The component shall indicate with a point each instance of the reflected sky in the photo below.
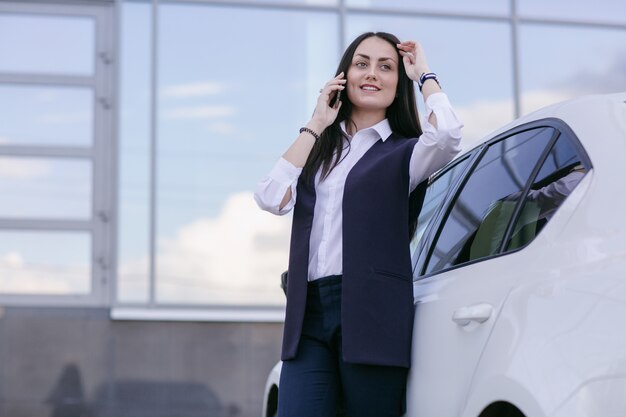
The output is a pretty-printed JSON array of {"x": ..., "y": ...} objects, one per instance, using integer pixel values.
[
  {"x": 45, "y": 262},
  {"x": 559, "y": 63},
  {"x": 53, "y": 188},
  {"x": 234, "y": 86},
  {"x": 134, "y": 155},
  {"x": 610, "y": 11},
  {"x": 230, "y": 98},
  {"x": 47, "y": 45},
  {"x": 56, "y": 116},
  {"x": 487, "y": 7},
  {"x": 459, "y": 60},
  {"x": 223, "y": 115}
]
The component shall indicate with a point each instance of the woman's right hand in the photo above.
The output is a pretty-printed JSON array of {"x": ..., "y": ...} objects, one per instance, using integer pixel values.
[{"x": 324, "y": 114}]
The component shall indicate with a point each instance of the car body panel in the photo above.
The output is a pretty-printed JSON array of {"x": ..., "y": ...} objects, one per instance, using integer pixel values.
[{"x": 445, "y": 353}]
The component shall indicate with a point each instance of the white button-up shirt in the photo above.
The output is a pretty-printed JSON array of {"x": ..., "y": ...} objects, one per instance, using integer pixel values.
[{"x": 435, "y": 148}]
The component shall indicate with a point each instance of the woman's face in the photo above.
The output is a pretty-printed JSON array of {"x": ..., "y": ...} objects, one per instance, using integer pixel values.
[{"x": 373, "y": 75}]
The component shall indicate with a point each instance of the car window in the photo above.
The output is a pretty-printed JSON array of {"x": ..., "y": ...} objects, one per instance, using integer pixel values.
[
  {"x": 477, "y": 222},
  {"x": 435, "y": 193},
  {"x": 559, "y": 175}
]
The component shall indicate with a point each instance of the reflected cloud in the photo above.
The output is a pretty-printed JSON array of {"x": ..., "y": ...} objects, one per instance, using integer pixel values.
[
  {"x": 16, "y": 169},
  {"x": 199, "y": 89},
  {"x": 611, "y": 80},
  {"x": 46, "y": 96},
  {"x": 200, "y": 112},
  {"x": 234, "y": 258},
  {"x": 68, "y": 118},
  {"x": 12, "y": 259},
  {"x": 226, "y": 129},
  {"x": 483, "y": 117},
  {"x": 19, "y": 277},
  {"x": 535, "y": 100}
]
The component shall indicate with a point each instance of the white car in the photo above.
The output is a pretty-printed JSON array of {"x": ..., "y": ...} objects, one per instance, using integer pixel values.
[{"x": 520, "y": 272}]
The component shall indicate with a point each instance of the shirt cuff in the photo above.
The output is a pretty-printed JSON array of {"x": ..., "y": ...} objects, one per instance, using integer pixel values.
[
  {"x": 284, "y": 172},
  {"x": 448, "y": 123},
  {"x": 436, "y": 101}
]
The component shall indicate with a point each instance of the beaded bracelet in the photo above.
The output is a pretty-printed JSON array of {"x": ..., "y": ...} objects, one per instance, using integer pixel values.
[{"x": 310, "y": 131}]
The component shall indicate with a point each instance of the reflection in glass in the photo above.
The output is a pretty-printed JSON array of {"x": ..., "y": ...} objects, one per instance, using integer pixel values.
[
  {"x": 47, "y": 45},
  {"x": 559, "y": 175},
  {"x": 46, "y": 116},
  {"x": 484, "y": 7},
  {"x": 435, "y": 194},
  {"x": 473, "y": 65},
  {"x": 134, "y": 154},
  {"x": 560, "y": 63},
  {"x": 226, "y": 114},
  {"x": 56, "y": 263},
  {"x": 51, "y": 188},
  {"x": 476, "y": 225},
  {"x": 610, "y": 11}
]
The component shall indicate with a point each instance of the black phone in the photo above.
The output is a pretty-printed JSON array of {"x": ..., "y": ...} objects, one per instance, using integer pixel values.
[{"x": 334, "y": 100}]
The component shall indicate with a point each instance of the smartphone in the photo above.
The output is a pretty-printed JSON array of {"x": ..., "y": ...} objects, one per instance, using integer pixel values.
[{"x": 335, "y": 100}]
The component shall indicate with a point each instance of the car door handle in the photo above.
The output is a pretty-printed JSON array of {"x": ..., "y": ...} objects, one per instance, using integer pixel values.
[{"x": 479, "y": 313}]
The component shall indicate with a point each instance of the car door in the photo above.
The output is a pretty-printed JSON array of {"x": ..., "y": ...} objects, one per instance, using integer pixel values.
[{"x": 461, "y": 279}]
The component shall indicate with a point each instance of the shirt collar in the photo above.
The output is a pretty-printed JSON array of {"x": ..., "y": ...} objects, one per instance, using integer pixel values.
[{"x": 382, "y": 128}]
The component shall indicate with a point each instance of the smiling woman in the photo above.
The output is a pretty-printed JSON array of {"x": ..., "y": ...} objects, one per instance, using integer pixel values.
[{"x": 352, "y": 178}]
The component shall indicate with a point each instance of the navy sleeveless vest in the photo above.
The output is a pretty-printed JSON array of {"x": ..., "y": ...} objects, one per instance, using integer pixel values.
[{"x": 377, "y": 289}]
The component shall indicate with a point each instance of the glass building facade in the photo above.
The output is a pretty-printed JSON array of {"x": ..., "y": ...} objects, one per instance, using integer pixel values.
[{"x": 133, "y": 133}]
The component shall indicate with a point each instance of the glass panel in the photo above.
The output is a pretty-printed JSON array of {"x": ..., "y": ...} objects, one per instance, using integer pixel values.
[
  {"x": 602, "y": 10},
  {"x": 227, "y": 114},
  {"x": 134, "y": 155},
  {"x": 560, "y": 174},
  {"x": 48, "y": 188},
  {"x": 481, "y": 88},
  {"x": 46, "y": 116},
  {"x": 559, "y": 63},
  {"x": 45, "y": 263},
  {"x": 476, "y": 225},
  {"x": 47, "y": 44},
  {"x": 435, "y": 194},
  {"x": 483, "y": 7},
  {"x": 433, "y": 199}
]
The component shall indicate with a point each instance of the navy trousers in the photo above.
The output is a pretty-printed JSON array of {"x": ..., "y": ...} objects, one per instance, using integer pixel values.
[{"x": 318, "y": 383}]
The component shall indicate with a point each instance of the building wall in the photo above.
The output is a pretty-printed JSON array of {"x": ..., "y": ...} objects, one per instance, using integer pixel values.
[{"x": 78, "y": 362}]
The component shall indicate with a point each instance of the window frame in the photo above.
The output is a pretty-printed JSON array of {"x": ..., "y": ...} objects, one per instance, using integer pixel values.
[
  {"x": 440, "y": 210},
  {"x": 100, "y": 226},
  {"x": 431, "y": 236}
]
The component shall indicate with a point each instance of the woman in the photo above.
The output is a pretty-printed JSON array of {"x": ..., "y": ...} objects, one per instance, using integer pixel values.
[{"x": 352, "y": 175}]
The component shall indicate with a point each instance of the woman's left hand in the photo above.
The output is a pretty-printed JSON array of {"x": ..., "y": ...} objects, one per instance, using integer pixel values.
[{"x": 414, "y": 59}]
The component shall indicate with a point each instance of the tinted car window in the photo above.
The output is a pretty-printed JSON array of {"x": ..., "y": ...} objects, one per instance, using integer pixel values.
[
  {"x": 480, "y": 215},
  {"x": 559, "y": 175},
  {"x": 433, "y": 198}
]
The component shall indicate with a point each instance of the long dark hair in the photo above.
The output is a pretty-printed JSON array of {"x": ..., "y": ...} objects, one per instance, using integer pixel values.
[
  {"x": 402, "y": 113},
  {"x": 402, "y": 116}
]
